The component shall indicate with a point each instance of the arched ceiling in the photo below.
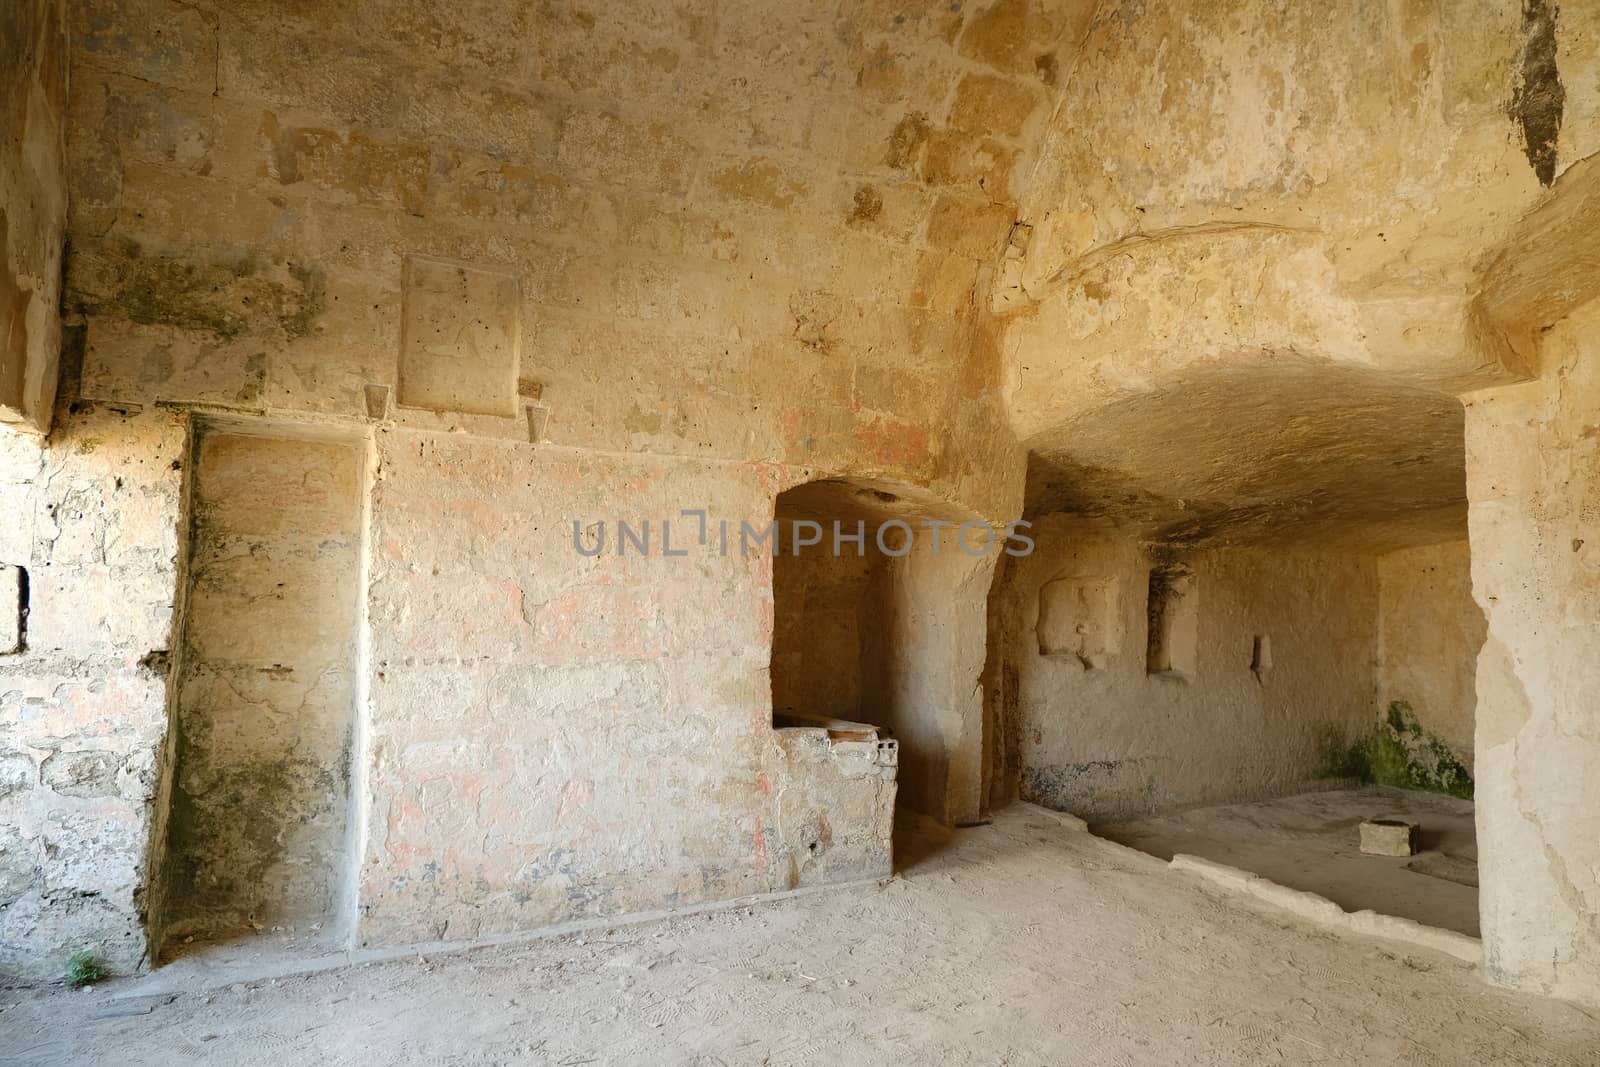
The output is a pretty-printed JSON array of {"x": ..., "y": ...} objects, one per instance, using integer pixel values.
[
  {"x": 1279, "y": 447},
  {"x": 1247, "y": 288}
]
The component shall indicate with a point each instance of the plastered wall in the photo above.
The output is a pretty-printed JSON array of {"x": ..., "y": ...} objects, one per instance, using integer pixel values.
[
  {"x": 653, "y": 275},
  {"x": 554, "y": 735},
  {"x": 1101, "y": 736}
]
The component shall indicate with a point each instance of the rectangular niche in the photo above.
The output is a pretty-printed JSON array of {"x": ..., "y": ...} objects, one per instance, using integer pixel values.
[
  {"x": 1261, "y": 655},
  {"x": 1076, "y": 619},
  {"x": 459, "y": 338},
  {"x": 257, "y": 835},
  {"x": 1173, "y": 612}
]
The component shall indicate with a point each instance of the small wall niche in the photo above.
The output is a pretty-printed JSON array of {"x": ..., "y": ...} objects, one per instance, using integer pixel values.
[
  {"x": 1173, "y": 614},
  {"x": 1261, "y": 656},
  {"x": 1076, "y": 619}
]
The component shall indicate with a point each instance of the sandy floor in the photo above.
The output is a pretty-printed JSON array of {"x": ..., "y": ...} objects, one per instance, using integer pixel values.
[
  {"x": 1312, "y": 842},
  {"x": 1023, "y": 942}
]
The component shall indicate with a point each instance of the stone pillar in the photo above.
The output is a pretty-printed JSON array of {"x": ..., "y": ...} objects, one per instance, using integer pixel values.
[
  {"x": 33, "y": 208},
  {"x": 1533, "y": 481}
]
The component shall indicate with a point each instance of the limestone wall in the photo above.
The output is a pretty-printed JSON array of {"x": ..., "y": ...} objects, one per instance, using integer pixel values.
[
  {"x": 558, "y": 264},
  {"x": 1321, "y": 179},
  {"x": 534, "y": 713},
  {"x": 94, "y": 523},
  {"x": 1429, "y": 634},
  {"x": 1277, "y": 654},
  {"x": 711, "y": 261},
  {"x": 33, "y": 207}
]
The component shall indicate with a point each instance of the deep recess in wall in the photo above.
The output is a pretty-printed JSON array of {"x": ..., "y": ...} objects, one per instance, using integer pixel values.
[
  {"x": 1174, "y": 621},
  {"x": 866, "y": 637},
  {"x": 830, "y": 611}
]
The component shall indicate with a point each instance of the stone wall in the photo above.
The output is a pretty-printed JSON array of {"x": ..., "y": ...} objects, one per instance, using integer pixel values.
[
  {"x": 557, "y": 265},
  {"x": 1287, "y": 189},
  {"x": 94, "y": 522},
  {"x": 1279, "y": 657},
  {"x": 712, "y": 263},
  {"x": 1429, "y": 634},
  {"x": 33, "y": 207}
]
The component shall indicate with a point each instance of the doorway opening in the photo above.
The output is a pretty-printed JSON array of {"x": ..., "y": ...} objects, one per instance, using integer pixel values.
[{"x": 880, "y": 624}]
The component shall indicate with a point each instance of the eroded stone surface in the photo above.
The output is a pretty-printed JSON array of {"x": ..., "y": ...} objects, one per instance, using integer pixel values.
[{"x": 1532, "y": 469}]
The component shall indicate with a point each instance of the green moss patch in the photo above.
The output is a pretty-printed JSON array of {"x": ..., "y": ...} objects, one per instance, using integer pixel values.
[
  {"x": 1398, "y": 752},
  {"x": 222, "y": 291}
]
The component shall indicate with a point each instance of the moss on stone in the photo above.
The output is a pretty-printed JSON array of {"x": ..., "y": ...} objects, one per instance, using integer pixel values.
[
  {"x": 1397, "y": 752},
  {"x": 1339, "y": 757},
  {"x": 222, "y": 291}
]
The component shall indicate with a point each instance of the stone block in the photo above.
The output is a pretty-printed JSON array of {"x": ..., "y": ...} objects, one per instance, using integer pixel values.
[{"x": 1388, "y": 837}]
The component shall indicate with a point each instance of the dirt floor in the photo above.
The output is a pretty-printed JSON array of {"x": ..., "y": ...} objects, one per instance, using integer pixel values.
[
  {"x": 1023, "y": 942},
  {"x": 1312, "y": 842}
]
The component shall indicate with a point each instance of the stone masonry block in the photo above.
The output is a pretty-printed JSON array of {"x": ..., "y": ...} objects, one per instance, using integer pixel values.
[{"x": 1388, "y": 837}]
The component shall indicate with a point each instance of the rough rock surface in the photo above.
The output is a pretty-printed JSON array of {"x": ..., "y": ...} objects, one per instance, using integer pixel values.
[{"x": 1209, "y": 276}]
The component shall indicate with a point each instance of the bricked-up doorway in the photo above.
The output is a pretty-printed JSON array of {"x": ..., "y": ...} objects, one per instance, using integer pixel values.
[{"x": 259, "y": 829}]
